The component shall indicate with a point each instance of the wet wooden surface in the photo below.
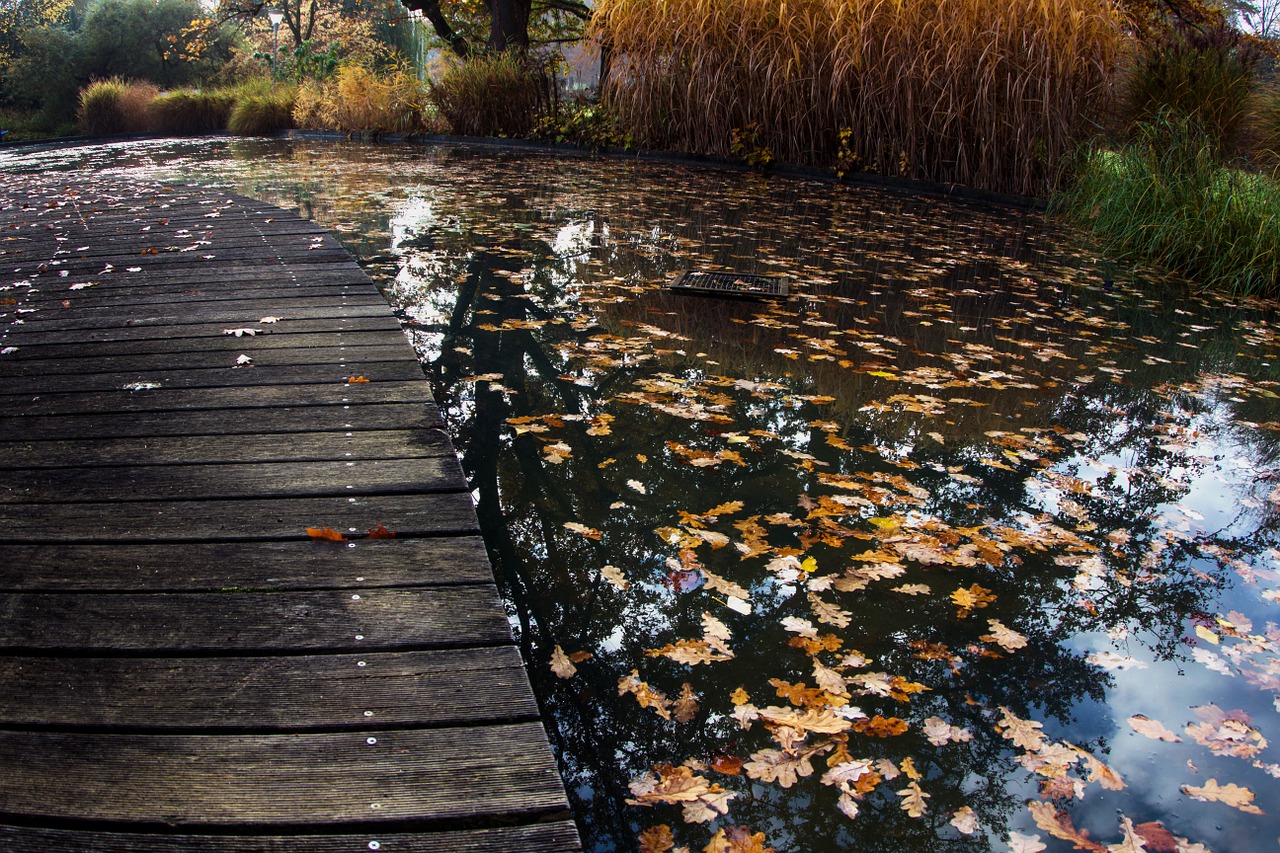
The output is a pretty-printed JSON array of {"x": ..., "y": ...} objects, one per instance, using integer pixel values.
[{"x": 189, "y": 381}]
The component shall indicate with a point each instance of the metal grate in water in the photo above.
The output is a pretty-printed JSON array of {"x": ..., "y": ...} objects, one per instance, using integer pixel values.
[{"x": 748, "y": 285}]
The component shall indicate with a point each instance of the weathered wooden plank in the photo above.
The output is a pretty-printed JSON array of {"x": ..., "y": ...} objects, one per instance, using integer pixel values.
[
  {"x": 253, "y": 622},
  {"x": 260, "y": 566},
  {"x": 229, "y": 376},
  {"x": 240, "y": 520},
  {"x": 332, "y": 692},
  {"x": 401, "y": 445},
  {"x": 233, "y": 480},
  {"x": 255, "y": 566},
  {"x": 219, "y": 355},
  {"x": 265, "y": 338},
  {"x": 310, "y": 780},
  {"x": 554, "y": 837},
  {"x": 104, "y": 295},
  {"x": 211, "y": 313},
  {"x": 137, "y": 421},
  {"x": 136, "y": 332}
]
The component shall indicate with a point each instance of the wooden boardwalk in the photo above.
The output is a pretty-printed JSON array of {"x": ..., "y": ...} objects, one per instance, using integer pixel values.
[{"x": 183, "y": 666}]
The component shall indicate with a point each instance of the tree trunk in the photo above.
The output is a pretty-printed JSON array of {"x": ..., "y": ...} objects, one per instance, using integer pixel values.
[
  {"x": 430, "y": 10},
  {"x": 509, "y": 25}
]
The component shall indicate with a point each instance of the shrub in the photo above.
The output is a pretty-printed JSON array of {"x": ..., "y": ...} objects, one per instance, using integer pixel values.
[
  {"x": 262, "y": 112},
  {"x": 1205, "y": 75},
  {"x": 1166, "y": 197},
  {"x": 115, "y": 106},
  {"x": 988, "y": 93},
  {"x": 359, "y": 99},
  {"x": 583, "y": 122},
  {"x": 191, "y": 111},
  {"x": 495, "y": 95}
]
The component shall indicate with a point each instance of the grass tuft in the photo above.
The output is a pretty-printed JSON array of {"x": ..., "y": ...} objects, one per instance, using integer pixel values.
[
  {"x": 1166, "y": 197},
  {"x": 260, "y": 111},
  {"x": 495, "y": 95},
  {"x": 360, "y": 99},
  {"x": 115, "y": 106},
  {"x": 987, "y": 93},
  {"x": 190, "y": 112}
]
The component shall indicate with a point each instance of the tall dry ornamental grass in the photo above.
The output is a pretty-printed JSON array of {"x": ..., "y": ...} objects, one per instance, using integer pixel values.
[{"x": 988, "y": 93}]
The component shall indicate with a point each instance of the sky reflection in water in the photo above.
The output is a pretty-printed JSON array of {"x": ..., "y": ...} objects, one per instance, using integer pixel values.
[{"x": 919, "y": 544}]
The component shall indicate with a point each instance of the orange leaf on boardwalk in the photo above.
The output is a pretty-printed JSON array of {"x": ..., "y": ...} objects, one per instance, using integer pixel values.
[
  {"x": 325, "y": 533},
  {"x": 354, "y": 380},
  {"x": 381, "y": 532}
]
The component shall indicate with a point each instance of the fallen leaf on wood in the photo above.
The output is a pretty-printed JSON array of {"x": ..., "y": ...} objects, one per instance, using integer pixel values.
[{"x": 327, "y": 533}]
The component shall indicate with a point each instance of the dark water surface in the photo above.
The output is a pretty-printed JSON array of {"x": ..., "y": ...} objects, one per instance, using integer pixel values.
[{"x": 962, "y": 547}]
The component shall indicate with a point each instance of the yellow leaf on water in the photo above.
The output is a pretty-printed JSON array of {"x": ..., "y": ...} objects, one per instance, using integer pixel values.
[
  {"x": 1231, "y": 794},
  {"x": 561, "y": 665},
  {"x": 913, "y": 800}
]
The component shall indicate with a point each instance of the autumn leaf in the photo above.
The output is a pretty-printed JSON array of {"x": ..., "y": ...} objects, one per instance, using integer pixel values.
[
  {"x": 381, "y": 532},
  {"x": 356, "y": 380},
  {"x": 582, "y": 529},
  {"x": 615, "y": 576},
  {"x": 965, "y": 820},
  {"x": 1019, "y": 843},
  {"x": 785, "y": 768},
  {"x": 656, "y": 839},
  {"x": 327, "y": 533},
  {"x": 1026, "y": 734},
  {"x": 1152, "y": 729},
  {"x": 737, "y": 839},
  {"x": 913, "y": 800},
  {"x": 645, "y": 695},
  {"x": 1226, "y": 732},
  {"x": 561, "y": 665},
  {"x": 700, "y": 799},
  {"x": 1059, "y": 825},
  {"x": 1231, "y": 794},
  {"x": 971, "y": 599},
  {"x": 691, "y": 652},
  {"x": 1006, "y": 638},
  {"x": 686, "y": 707}
]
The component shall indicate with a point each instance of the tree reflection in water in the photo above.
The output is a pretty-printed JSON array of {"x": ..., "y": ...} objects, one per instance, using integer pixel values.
[{"x": 941, "y": 524}]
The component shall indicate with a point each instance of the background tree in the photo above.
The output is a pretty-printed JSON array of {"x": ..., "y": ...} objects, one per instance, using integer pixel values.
[{"x": 468, "y": 27}]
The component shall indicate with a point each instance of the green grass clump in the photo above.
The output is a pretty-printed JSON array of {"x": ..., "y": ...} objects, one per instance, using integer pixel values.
[
  {"x": 260, "y": 111},
  {"x": 1167, "y": 198},
  {"x": 115, "y": 106},
  {"x": 494, "y": 95},
  {"x": 190, "y": 112}
]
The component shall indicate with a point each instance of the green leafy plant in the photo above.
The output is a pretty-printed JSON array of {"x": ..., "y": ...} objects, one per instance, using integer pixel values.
[
  {"x": 747, "y": 143},
  {"x": 583, "y": 122}
]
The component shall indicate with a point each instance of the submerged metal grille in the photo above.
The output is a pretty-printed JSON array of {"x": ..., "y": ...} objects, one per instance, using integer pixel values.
[{"x": 746, "y": 285}]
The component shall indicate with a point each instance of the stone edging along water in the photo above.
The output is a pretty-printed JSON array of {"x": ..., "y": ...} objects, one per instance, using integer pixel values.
[{"x": 904, "y": 186}]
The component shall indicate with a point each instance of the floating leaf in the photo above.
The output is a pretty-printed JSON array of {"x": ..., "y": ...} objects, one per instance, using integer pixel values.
[
  {"x": 1231, "y": 794},
  {"x": 1152, "y": 729},
  {"x": 561, "y": 665}
]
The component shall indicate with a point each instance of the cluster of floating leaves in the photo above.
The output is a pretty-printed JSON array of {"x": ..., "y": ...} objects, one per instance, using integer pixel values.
[{"x": 870, "y": 566}]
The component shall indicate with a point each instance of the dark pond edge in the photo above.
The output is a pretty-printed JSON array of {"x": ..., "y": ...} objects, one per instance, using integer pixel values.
[
  {"x": 901, "y": 186},
  {"x": 904, "y": 186}
]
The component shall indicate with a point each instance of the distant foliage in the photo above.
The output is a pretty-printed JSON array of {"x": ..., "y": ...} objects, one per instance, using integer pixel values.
[
  {"x": 495, "y": 95},
  {"x": 358, "y": 98},
  {"x": 985, "y": 93},
  {"x": 115, "y": 106},
  {"x": 1203, "y": 75}
]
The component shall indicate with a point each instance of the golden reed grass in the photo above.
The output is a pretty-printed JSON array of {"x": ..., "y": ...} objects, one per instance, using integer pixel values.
[{"x": 987, "y": 93}]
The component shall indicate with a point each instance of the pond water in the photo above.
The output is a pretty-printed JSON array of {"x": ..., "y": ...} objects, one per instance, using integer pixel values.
[{"x": 970, "y": 544}]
